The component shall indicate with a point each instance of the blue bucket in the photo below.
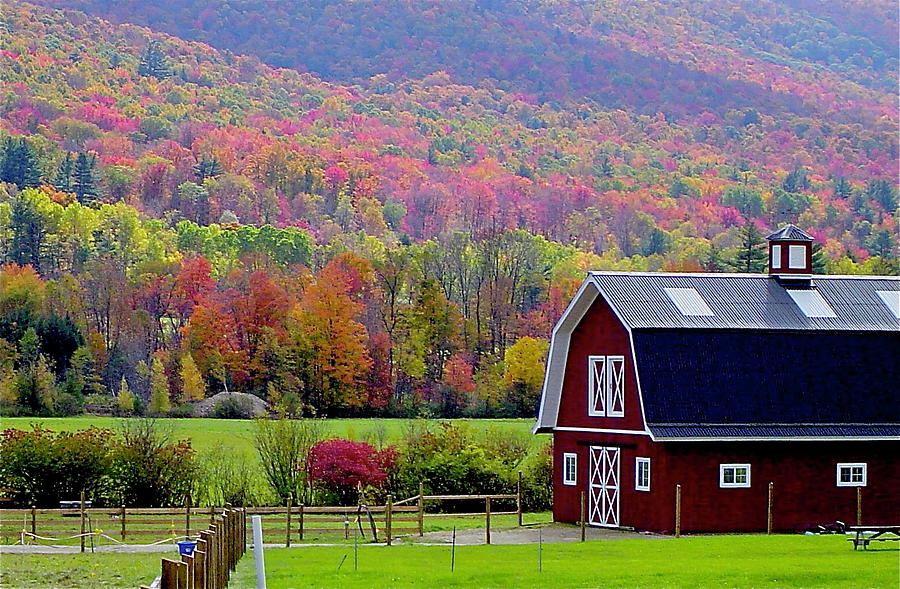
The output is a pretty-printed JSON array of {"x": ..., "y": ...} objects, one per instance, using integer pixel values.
[{"x": 186, "y": 547}]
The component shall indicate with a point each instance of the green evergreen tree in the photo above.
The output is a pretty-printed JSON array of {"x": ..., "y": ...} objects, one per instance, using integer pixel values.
[
  {"x": 751, "y": 255},
  {"x": 19, "y": 164},
  {"x": 28, "y": 232},
  {"x": 207, "y": 167},
  {"x": 154, "y": 62},
  {"x": 83, "y": 185},
  {"x": 818, "y": 259},
  {"x": 64, "y": 174}
]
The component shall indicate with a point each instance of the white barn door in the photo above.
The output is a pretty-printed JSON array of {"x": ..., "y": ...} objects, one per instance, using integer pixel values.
[{"x": 603, "y": 494}]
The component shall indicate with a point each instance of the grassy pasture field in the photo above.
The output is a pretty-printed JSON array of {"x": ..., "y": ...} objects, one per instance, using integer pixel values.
[
  {"x": 691, "y": 562},
  {"x": 237, "y": 434}
]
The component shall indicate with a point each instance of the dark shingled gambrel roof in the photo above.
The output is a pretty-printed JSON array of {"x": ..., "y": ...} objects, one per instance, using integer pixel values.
[{"x": 748, "y": 301}]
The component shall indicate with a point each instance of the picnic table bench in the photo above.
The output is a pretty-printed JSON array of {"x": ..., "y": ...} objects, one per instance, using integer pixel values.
[{"x": 877, "y": 534}]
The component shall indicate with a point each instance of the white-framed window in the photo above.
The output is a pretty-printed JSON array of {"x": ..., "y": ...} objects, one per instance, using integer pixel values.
[
  {"x": 776, "y": 257},
  {"x": 570, "y": 468},
  {"x": 642, "y": 474},
  {"x": 796, "y": 257},
  {"x": 734, "y": 475},
  {"x": 606, "y": 386},
  {"x": 851, "y": 474}
]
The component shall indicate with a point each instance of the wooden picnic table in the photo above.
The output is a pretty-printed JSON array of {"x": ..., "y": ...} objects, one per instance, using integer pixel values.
[{"x": 877, "y": 534}]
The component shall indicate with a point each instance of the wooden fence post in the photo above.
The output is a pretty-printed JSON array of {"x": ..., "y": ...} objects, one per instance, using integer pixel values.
[
  {"x": 187, "y": 516},
  {"x": 209, "y": 561},
  {"x": 487, "y": 519},
  {"x": 859, "y": 506},
  {"x": 213, "y": 557},
  {"x": 122, "y": 517},
  {"x": 200, "y": 562},
  {"x": 33, "y": 521},
  {"x": 171, "y": 574},
  {"x": 421, "y": 509},
  {"x": 82, "y": 520},
  {"x": 769, "y": 509},
  {"x": 678, "y": 511},
  {"x": 300, "y": 517},
  {"x": 583, "y": 514},
  {"x": 188, "y": 560},
  {"x": 388, "y": 515},
  {"x": 287, "y": 541},
  {"x": 519, "y": 499}
]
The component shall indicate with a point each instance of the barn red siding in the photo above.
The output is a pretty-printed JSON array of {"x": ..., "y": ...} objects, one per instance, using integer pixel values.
[
  {"x": 598, "y": 334},
  {"x": 803, "y": 473}
]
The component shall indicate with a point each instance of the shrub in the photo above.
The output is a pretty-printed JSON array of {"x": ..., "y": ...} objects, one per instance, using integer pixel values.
[
  {"x": 341, "y": 467},
  {"x": 147, "y": 470},
  {"x": 233, "y": 408},
  {"x": 283, "y": 446},
  {"x": 44, "y": 467}
]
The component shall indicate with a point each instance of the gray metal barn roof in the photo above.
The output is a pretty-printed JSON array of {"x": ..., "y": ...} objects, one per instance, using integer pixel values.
[{"x": 749, "y": 301}]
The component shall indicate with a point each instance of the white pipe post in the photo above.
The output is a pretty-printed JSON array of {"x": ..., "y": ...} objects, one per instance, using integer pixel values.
[{"x": 258, "y": 552}]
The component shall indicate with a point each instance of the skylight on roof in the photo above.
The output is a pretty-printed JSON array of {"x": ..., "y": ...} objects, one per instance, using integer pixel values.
[
  {"x": 811, "y": 303},
  {"x": 689, "y": 302},
  {"x": 891, "y": 298}
]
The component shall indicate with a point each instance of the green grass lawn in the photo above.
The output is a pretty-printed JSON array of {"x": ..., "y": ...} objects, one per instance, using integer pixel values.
[
  {"x": 84, "y": 571},
  {"x": 698, "y": 562},
  {"x": 207, "y": 434}
]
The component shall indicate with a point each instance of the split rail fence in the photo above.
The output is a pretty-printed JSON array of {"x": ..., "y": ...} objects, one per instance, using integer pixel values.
[{"x": 91, "y": 527}]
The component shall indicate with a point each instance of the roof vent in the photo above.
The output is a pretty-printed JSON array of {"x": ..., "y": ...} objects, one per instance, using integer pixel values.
[
  {"x": 689, "y": 302},
  {"x": 790, "y": 254}
]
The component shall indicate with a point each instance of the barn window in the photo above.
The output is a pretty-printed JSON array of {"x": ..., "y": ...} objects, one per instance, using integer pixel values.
[
  {"x": 776, "y": 257},
  {"x": 642, "y": 474},
  {"x": 851, "y": 474},
  {"x": 606, "y": 386},
  {"x": 597, "y": 386},
  {"x": 797, "y": 257},
  {"x": 734, "y": 475},
  {"x": 570, "y": 468}
]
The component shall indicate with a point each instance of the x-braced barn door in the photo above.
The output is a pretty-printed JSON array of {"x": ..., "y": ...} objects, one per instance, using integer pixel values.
[{"x": 604, "y": 487}]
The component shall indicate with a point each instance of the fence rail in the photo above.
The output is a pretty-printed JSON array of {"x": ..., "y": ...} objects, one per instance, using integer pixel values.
[{"x": 281, "y": 524}]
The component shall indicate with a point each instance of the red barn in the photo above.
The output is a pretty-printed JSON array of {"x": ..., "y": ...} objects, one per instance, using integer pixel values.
[{"x": 733, "y": 386}]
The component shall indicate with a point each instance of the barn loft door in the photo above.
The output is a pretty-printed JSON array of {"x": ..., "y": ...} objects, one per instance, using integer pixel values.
[{"x": 604, "y": 487}]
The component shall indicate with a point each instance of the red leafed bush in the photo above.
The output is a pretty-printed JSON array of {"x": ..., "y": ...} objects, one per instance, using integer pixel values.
[{"x": 339, "y": 466}]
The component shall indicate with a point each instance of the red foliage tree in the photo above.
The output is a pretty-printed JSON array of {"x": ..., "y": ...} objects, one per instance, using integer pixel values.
[{"x": 340, "y": 467}]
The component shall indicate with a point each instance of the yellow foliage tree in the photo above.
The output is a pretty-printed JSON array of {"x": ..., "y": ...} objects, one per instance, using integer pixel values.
[
  {"x": 125, "y": 398},
  {"x": 192, "y": 386}
]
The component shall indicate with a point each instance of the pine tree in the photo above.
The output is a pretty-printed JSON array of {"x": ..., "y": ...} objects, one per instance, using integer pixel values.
[
  {"x": 751, "y": 256},
  {"x": 83, "y": 185},
  {"x": 818, "y": 258},
  {"x": 64, "y": 174},
  {"x": 154, "y": 62},
  {"x": 28, "y": 229},
  {"x": 125, "y": 398},
  {"x": 159, "y": 389},
  {"x": 192, "y": 386},
  {"x": 207, "y": 167},
  {"x": 19, "y": 164}
]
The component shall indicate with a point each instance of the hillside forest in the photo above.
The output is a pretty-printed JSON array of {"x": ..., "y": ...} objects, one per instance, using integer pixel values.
[{"x": 387, "y": 214}]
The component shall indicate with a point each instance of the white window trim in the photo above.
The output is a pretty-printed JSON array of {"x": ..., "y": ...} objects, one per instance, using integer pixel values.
[
  {"x": 594, "y": 395},
  {"x": 724, "y": 485},
  {"x": 565, "y": 462},
  {"x": 793, "y": 262},
  {"x": 865, "y": 474},
  {"x": 776, "y": 257},
  {"x": 637, "y": 474},
  {"x": 613, "y": 386}
]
